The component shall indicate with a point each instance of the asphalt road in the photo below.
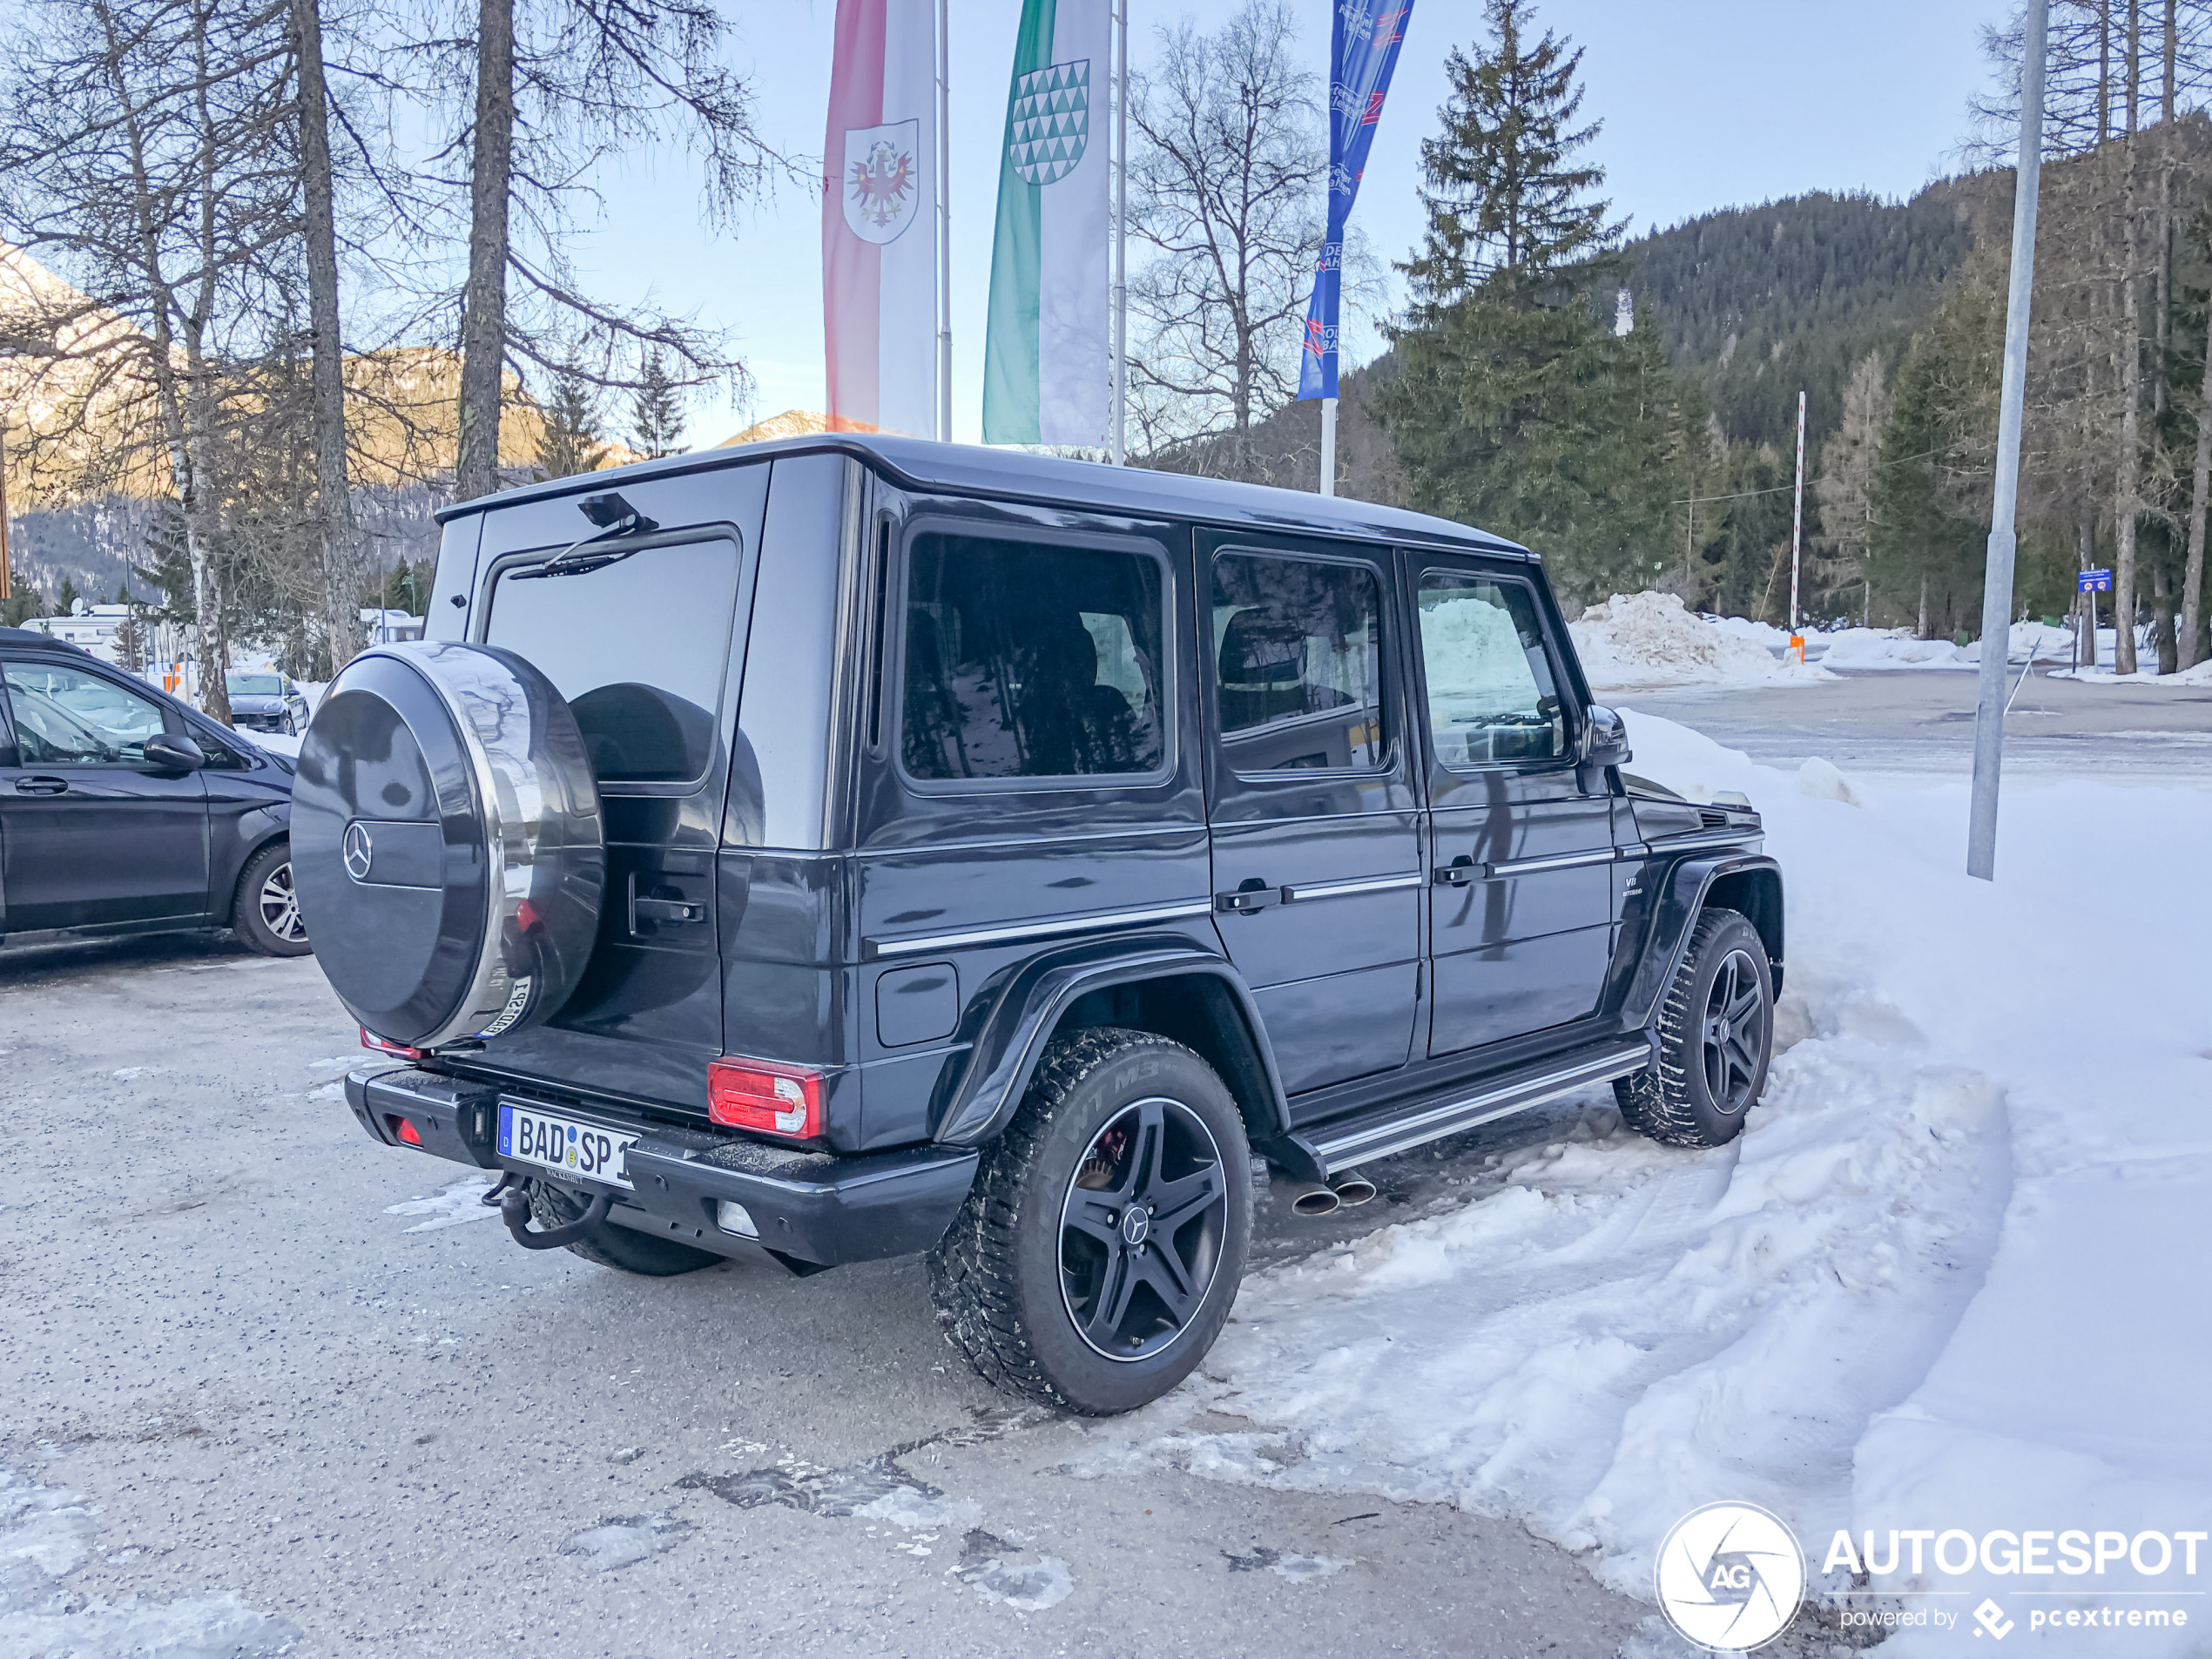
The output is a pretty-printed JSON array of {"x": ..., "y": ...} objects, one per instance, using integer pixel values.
[
  {"x": 246, "y": 1406},
  {"x": 1923, "y": 720}
]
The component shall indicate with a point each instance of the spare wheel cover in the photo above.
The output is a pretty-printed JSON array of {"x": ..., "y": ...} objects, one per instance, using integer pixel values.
[{"x": 447, "y": 843}]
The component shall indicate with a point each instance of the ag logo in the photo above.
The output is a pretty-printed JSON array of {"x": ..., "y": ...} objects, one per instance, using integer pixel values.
[
  {"x": 882, "y": 182},
  {"x": 1729, "y": 1576},
  {"x": 357, "y": 850}
]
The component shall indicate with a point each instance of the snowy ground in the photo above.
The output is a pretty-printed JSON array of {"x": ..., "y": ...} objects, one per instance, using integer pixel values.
[
  {"x": 1949, "y": 1278},
  {"x": 1648, "y": 639}
]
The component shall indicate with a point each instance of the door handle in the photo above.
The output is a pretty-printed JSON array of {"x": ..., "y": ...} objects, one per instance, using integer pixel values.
[
  {"x": 665, "y": 910},
  {"x": 41, "y": 786},
  {"x": 1462, "y": 871},
  {"x": 1252, "y": 897}
]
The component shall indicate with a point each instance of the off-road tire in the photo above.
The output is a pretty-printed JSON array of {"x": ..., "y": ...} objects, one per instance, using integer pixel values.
[
  {"x": 995, "y": 1275},
  {"x": 272, "y": 864},
  {"x": 1673, "y": 1102},
  {"x": 610, "y": 1245}
]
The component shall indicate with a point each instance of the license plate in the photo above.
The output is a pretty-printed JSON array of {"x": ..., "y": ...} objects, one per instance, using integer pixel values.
[{"x": 577, "y": 1148}]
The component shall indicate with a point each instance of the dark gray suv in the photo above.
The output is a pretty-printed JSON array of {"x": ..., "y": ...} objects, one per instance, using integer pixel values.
[{"x": 837, "y": 848}]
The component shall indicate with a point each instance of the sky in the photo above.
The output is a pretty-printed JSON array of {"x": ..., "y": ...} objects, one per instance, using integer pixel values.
[{"x": 1705, "y": 104}]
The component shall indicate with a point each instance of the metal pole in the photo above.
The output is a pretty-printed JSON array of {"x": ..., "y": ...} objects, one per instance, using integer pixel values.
[
  {"x": 7, "y": 579},
  {"x": 944, "y": 221},
  {"x": 1997, "y": 586},
  {"x": 1121, "y": 233},
  {"x": 1328, "y": 446},
  {"x": 1798, "y": 520}
]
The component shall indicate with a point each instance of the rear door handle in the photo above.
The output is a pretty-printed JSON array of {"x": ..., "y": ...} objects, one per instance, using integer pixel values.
[
  {"x": 41, "y": 786},
  {"x": 1464, "y": 874}
]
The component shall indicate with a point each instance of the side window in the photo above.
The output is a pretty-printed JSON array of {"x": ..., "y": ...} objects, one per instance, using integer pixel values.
[
  {"x": 67, "y": 718},
  {"x": 1492, "y": 696},
  {"x": 1031, "y": 660},
  {"x": 1298, "y": 653},
  {"x": 637, "y": 645}
]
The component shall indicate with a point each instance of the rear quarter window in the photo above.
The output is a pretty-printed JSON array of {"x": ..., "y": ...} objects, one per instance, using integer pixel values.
[{"x": 640, "y": 648}]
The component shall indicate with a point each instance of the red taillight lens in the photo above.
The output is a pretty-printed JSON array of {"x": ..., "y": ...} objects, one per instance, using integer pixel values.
[
  {"x": 385, "y": 1045},
  {"x": 406, "y": 1131},
  {"x": 762, "y": 1094}
]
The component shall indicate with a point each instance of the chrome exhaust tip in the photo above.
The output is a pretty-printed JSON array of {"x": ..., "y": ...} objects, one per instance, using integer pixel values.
[
  {"x": 1352, "y": 1189},
  {"x": 1313, "y": 1203}
]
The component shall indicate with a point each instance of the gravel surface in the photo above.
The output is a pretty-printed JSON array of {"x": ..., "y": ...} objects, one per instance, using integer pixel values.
[{"x": 271, "y": 1387}]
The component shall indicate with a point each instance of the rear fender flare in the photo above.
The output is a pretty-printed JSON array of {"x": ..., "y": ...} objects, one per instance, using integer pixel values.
[
  {"x": 1015, "y": 1015},
  {"x": 1748, "y": 882}
]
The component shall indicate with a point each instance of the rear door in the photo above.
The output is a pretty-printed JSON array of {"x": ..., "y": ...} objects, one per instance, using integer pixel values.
[
  {"x": 1520, "y": 907},
  {"x": 93, "y": 836},
  {"x": 647, "y": 651},
  {"x": 1317, "y": 846}
]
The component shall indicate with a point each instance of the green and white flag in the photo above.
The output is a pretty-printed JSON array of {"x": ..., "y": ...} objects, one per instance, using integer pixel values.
[{"x": 1047, "y": 371}]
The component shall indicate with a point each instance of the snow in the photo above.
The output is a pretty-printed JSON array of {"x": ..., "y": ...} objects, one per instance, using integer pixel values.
[
  {"x": 1946, "y": 1279},
  {"x": 1649, "y": 639},
  {"x": 461, "y": 1202},
  {"x": 47, "y": 1533}
]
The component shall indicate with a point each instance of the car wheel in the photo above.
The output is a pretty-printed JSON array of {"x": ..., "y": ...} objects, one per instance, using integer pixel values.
[
  {"x": 610, "y": 1245},
  {"x": 1715, "y": 1038},
  {"x": 266, "y": 911},
  {"x": 1102, "y": 1246}
]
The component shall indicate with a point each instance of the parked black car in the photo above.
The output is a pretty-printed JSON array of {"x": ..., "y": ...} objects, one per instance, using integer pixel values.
[
  {"x": 839, "y": 848},
  {"x": 123, "y": 811},
  {"x": 266, "y": 703}
]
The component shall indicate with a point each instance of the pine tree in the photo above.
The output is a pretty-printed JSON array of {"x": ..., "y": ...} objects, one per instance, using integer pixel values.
[
  {"x": 656, "y": 411},
  {"x": 1517, "y": 407},
  {"x": 568, "y": 440},
  {"x": 1845, "y": 490},
  {"x": 69, "y": 598}
]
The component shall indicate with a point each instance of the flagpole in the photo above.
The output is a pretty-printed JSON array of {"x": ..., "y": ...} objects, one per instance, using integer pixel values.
[
  {"x": 1121, "y": 232},
  {"x": 944, "y": 221},
  {"x": 1328, "y": 446}
]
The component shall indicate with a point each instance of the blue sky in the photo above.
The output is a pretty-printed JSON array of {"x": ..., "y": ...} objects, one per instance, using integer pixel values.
[{"x": 1712, "y": 103}]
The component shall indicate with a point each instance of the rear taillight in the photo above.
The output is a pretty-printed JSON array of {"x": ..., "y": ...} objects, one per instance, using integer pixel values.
[
  {"x": 764, "y": 1095},
  {"x": 407, "y": 1133},
  {"x": 385, "y": 1045}
]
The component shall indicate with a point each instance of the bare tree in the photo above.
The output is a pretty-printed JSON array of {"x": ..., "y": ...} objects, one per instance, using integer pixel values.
[
  {"x": 146, "y": 151},
  {"x": 553, "y": 87},
  {"x": 1226, "y": 174}
]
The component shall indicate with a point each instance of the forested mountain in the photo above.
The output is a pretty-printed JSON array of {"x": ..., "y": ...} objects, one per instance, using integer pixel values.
[{"x": 1755, "y": 303}]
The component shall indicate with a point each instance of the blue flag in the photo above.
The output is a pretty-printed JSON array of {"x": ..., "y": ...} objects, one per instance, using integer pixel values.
[{"x": 1363, "y": 50}]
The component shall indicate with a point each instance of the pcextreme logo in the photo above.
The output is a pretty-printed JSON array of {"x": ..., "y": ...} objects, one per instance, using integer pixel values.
[{"x": 1729, "y": 1576}]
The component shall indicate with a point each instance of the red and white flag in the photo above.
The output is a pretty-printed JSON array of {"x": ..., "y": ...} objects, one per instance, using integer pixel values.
[{"x": 878, "y": 236}]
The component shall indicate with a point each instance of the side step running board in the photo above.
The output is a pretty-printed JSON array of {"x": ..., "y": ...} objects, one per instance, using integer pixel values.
[{"x": 1337, "y": 1147}]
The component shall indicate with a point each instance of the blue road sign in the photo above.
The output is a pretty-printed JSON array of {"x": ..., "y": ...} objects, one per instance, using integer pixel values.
[{"x": 2094, "y": 582}]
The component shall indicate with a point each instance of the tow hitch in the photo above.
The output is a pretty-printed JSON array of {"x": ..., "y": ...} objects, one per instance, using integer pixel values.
[{"x": 512, "y": 1196}]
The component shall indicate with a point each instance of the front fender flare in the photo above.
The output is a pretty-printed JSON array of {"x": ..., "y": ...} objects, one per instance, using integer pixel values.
[
  {"x": 1016, "y": 1013},
  {"x": 1690, "y": 888}
]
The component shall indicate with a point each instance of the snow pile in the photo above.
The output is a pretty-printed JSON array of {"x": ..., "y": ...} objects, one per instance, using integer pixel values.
[
  {"x": 1883, "y": 648},
  {"x": 1649, "y": 639},
  {"x": 1763, "y": 634},
  {"x": 1944, "y": 1280}
]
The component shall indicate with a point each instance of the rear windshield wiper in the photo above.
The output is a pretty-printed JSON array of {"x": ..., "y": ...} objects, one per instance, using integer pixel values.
[{"x": 616, "y": 518}]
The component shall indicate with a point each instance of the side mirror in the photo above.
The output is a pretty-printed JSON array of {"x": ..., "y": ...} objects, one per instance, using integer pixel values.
[
  {"x": 174, "y": 754},
  {"x": 1605, "y": 740}
]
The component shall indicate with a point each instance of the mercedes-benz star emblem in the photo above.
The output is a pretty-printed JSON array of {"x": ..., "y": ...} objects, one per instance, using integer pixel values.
[{"x": 358, "y": 850}]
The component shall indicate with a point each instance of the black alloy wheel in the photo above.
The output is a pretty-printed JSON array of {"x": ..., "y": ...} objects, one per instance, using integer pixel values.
[
  {"x": 1715, "y": 1031},
  {"x": 1734, "y": 1034},
  {"x": 1142, "y": 1228},
  {"x": 1102, "y": 1245}
]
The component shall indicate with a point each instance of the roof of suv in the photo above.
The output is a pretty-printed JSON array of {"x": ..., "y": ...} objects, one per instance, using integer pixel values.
[{"x": 1019, "y": 474}]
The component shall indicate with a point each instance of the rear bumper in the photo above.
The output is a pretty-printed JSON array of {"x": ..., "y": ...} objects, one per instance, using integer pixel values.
[{"x": 809, "y": 1206}]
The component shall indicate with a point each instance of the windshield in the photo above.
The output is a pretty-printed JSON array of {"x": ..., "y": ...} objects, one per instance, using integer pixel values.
[{"x": 255, "y": 685}]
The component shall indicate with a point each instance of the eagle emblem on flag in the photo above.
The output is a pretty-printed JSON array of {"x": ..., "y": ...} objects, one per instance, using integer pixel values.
[
  {"x": 1050, "y": 126},
  {"x": 880, "y": 187}
]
